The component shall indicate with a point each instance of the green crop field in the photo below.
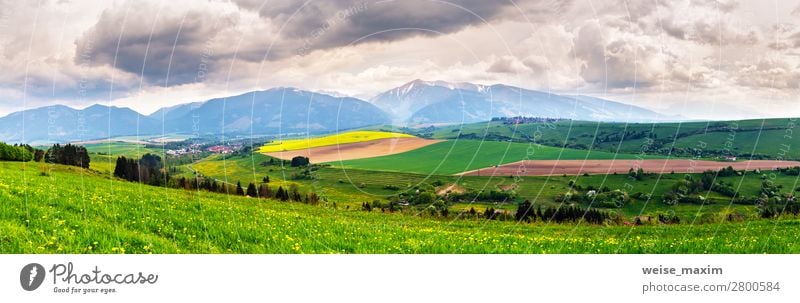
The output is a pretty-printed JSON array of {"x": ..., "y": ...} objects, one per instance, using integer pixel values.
[
  {"x": 456, "y": 156},
  {"x": 69, "y": 210},
  {"x": 765, "y": 138},
  {"x": 122, "y": 149}
]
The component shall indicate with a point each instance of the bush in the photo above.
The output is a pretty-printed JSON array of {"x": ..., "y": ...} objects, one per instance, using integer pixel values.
[
  {"x": 300, "y": 161},
  {"x": 15, "y": 153},
  {"x": 612, "y": 199}
]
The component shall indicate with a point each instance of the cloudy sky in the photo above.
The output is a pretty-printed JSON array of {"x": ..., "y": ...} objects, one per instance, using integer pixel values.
[{"x": 697, "y": 58}]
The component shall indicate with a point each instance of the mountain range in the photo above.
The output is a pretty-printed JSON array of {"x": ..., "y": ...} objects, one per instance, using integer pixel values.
[
  {"x": 291, "y": 110},
  {"x": 419, "y": 102}
]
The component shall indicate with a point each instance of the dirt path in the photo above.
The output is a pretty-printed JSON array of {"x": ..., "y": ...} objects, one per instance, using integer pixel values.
[
  {"x": 452, "y": 188},
  {"x": 577, "y": 167},
  {"x": 367, "y": 149}
]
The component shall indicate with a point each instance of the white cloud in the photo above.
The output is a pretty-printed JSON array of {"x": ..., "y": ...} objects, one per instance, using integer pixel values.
[{"x": 720, "y": 52}]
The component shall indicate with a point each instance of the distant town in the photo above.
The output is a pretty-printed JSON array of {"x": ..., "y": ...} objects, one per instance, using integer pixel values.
[
  {"x": 196, "y": 148},
  {"x": 524, "y": 120}
]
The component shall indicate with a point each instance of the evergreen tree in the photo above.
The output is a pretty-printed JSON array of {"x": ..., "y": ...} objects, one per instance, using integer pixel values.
[
  {"x": 251, "y": 190},
  {"x": 294, "y": 193},
  {"x": 120, "y": 170},
  {"x": 281, "y": 194},
  {"x": 239, "y": 190},
  {"x": 38, "y": 155},
  {"x": 489, "y": 213},
  {"x": 264, "y": 191},
  {"x": 524, "y": 211}
]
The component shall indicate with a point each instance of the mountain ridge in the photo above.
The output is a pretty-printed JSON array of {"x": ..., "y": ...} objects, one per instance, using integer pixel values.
[
  {"x": 421, "y": 101},
  {"x": 283, "y": 110},
  {"x": 267, "y": 112}
]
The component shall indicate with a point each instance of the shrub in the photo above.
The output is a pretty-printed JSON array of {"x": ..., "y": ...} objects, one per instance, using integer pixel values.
[{"x": 300, "y": 161}]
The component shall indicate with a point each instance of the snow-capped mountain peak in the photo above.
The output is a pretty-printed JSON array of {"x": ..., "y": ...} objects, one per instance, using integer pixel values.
[{"x": 421, "y": 101}]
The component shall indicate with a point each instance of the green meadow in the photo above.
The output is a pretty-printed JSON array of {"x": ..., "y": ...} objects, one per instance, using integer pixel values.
[
  {"x": 48, "y": 208},
  {"x": 69, "y": 210},
  {"x": 349, "y": 187},
  {"x": 104, "y": 155},
  {"x": 761, "y": 138},
  {"x": 120, "y": 148},
  {"x": 456, "y": 156}
]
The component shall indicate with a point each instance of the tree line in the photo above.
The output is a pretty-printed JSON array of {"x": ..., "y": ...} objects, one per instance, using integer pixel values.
[
  {"x": 526, "y": 213},
  {"x": 69, "y": 154},
  {"x": 15, "y": 153},
  {"x": 261, "y": 191},
  {"x": 149, "y": 169}
]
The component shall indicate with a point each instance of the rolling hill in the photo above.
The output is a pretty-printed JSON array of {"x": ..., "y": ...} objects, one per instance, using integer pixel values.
[
  {"x": 746, "y": 139},
  {"x": 457, "y": 156}
]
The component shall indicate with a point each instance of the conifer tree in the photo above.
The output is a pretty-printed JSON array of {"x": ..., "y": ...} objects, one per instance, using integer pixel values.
[
  {"x": 239, "y": 190},
  {"x": 251, "y": 190}
]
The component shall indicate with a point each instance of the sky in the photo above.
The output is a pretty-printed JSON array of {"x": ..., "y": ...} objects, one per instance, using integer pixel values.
[{"x": 701, "y": 59}]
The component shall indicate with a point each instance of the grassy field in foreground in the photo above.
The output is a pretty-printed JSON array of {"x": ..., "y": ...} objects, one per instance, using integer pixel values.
[
  {"x": 340, "y": 138},
  {"x": 456, "y": 156},
  {"x": 76, "y": 211}
]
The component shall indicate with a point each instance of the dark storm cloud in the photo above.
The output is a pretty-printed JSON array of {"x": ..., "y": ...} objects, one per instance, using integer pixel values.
[
  {"x": 176, "y": 47},
  {"x": 166, "y": 49},
  {"x": 330, "y": 24}
]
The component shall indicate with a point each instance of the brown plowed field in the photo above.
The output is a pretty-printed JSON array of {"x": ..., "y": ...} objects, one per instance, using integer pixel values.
[
  {"x": 366, "y": 149},
  {"x": 577, "y": 167}
]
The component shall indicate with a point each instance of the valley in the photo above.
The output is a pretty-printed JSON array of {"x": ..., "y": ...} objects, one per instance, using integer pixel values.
[{"x": 292, "y": 171}]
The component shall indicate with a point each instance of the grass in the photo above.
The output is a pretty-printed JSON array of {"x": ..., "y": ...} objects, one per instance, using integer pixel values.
[
  {"x": 103, "y": 156},
  {"x": 350, "y": 187},
  {"x": 543, "y": 190},
  {"x": 132, "y": 150},
  {"x": 253, "y": 169},
  {"x": 339, "y": 138},
  {"x": 77, "y": 211},
  {"x": 763, "y": 137},
  {"x": 456, "y": 156}
]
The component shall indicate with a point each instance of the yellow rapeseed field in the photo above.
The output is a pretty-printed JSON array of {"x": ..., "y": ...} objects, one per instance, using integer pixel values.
[{"x": 340, "y": 138}]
